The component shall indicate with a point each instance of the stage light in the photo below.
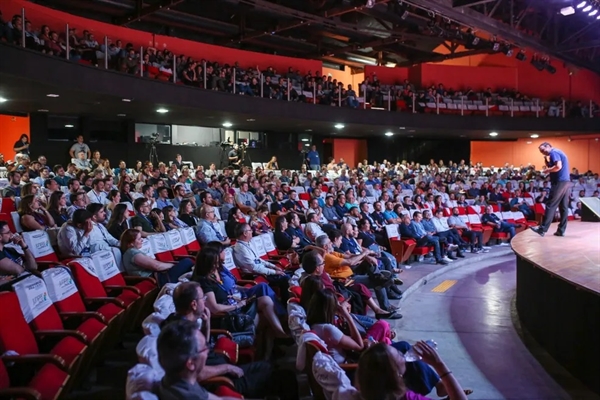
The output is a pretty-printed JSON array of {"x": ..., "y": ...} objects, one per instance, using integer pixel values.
[
  {"x": 389, "y": 134},
  {"x": 496, "y": 46},
  {"x": 339, "y": 126},
  {"x": 521, "y": 56},
  {"x": 42, "y": 110},
  {"x": 121, "y": 115},
  {"x": 534, "y": 136},
  {"x": 593, "y": 13},
  {"x": 126, "y": 100},
  {"x": 567, "y": 11},
  {"x": 3, "y": 100},
  {"x": 550, "y": 68},
  {"x": 582, "y": 4},
  {"x": 52, "y": 95},
  {"x": 68, "y": 126},
  {"x": 162, "y": 111},
  {"x": 598, "y": 17},
  {"x": 493, "y": 134},
  {"x": 588, "y": 8},
  {"x": 227, "y": 125},
  {"x": 305, "y": 140}
]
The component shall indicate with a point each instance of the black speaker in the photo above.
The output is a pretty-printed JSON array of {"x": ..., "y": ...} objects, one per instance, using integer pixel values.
[{"x": 590, "y": 209}]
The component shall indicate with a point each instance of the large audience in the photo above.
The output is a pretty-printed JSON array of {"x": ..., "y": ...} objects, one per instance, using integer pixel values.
[
  {"x": 291, "y": 85},
  {"x": 330, "y": 280}
]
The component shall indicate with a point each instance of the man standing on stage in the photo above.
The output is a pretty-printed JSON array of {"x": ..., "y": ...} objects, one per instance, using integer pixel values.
[{"x": 557, "y": 165}]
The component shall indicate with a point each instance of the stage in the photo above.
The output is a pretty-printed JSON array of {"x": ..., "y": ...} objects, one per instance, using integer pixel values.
[{"x": 558, "y": 295}]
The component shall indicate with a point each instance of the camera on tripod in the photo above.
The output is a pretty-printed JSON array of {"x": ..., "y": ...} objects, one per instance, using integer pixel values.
[{"x": 154, "y": 138}]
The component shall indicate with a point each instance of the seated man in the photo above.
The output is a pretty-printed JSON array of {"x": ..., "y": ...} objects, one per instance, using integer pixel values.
[
  {"x": 295, "y": 229},
  {"x": 414, "y": 230},
  {"x": 82, "y": 163},
  {"x": 12, "y": 262},
  {"x": 208, "y": 229},
  {"x": 475, "y": 237},
  {"x": 519, "y": 203},
  {"x": 253, "y": 379},
  {"x": 144, "y": 220},
  {"x": 451, "y": 237},
  {"x": 312, "y": 229},
  {"x": 74, "y": 236},
  {"x": 491, "y": 219},
  {"x": 246, "y": 259}
]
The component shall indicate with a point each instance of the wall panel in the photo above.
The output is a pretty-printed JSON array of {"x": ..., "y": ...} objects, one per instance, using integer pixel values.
[{"x": 11, "y": 129}]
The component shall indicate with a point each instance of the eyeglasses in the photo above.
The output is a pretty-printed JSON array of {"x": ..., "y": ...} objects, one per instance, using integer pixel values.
[{"x": 6, "y": 233}]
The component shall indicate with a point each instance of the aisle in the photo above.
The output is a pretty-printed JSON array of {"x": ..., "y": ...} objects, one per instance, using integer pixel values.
[{"x": 469, "y": 316}]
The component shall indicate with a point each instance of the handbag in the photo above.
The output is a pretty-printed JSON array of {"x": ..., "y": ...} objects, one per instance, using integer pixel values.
[{"x": 241, "y": 321}]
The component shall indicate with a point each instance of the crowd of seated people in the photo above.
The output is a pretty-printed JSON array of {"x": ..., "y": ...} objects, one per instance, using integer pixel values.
[
  {"x": 290, "y": 85},
  {"x": 333, "y": 265}
]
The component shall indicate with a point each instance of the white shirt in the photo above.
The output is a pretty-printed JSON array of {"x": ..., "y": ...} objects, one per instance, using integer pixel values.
[
  {"x": 99, "y": 198},
  {"x": 248, "y": 261},
  {"x": 441, "y": 225},
  {"x": 313, "y": 230}
]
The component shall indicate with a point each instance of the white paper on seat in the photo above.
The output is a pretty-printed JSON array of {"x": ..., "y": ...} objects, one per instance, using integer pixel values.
[
  {"x": 105, "y": 264},
  {"x": 59, "y": 283},
  {"x": 158, "y": 243},
  {"x": 228, "y": 263},
  {"x": 87, "y": 264},
  {"x": 39, "y": 243},
  {"x": 187, "y": 235},
  {"x": 474, "y": 219},
  {"x": 392, "y": 231},
  {"x": 147, "y": 248},
  {"x": 173, "y": 239},
  {"x": 268, "y": 244},
  {"x": 257, "y": 246},
  {"x": 33, "y": 297}
]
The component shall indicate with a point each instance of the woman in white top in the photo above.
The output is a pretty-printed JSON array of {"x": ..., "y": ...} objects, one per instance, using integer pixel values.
[{"x": 321, "y": 315}]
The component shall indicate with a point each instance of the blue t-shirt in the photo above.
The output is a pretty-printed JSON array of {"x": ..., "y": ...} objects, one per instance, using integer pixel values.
[
  {"x": 313, "y": 158},
  {"x": 563, "y": 174}
]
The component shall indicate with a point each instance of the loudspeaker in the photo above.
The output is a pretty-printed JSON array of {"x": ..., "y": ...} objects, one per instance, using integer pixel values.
[{"x": 590, "y": 209}]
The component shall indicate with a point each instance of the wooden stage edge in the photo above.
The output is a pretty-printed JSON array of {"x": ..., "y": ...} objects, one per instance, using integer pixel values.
[{"x": 574, "y": 257}]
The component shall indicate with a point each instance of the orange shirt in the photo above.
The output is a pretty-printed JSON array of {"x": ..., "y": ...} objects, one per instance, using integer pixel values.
[{"x": 334, "y": 267}]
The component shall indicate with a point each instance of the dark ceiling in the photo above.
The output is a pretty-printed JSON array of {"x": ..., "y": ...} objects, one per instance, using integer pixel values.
[{"x": 359, "y": 32}]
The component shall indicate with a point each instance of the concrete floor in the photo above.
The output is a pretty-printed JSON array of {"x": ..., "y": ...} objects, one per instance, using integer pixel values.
[{"x": 478, "y": 334}]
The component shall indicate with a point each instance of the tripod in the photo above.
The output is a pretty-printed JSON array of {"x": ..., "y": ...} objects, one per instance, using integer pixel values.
[{"x": 153, "y": 157}]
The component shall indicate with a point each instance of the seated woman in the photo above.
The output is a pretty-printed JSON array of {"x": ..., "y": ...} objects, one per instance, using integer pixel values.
[
  {"x": 138, "y": 263},
  {"x": 283, "y": 240},
  {"x": 57, "y": 208},
  {"x": 236, "y": 216},
  {"x": 157, "y": 217},
  {"x": 223, "y": 295},
  {"x": 186, "y": 213},
  {"x": 114, "y": 198},
  {"x": 263, "y": 221},
  {"x": 272, "y": 164},
  {"x": 383, "y": 373},
  {"x": 171, "y": 221},
  {"x": 33, "y": 216},
  {"x": 117, "y": 224}
]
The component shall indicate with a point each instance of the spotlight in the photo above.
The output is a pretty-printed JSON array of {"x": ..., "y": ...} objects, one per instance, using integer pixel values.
[
  {"x": 389, "y": 134},
  {"x": 339, "y": 126},
  {"x": 582, "y": 4},
  {"x": 370, "y": 3},
  {"x": 567, "y": 11},
  {"x": 593, "y": 13},
  {"x": 493, "y": 134},
  {"x": 227, "y": 125},
  {"x": 539, "y": 64},
  {"x": 521, "y": 56},
  {"x": 3, "y": 100},
  {"x": 162, "y": 111},
  {"x": 534, "y": 136},
  {"x": 588, "y": 8},
  {"x": 550, "y": 68},
  {"x": 496, "y": 46},
  {"x": 598, "y": 17}
]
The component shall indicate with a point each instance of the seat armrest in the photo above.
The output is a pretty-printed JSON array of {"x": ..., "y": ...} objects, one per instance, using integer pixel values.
[
  {"x": 114, "y": 300},
  {"x": 38, "y": 359},
  {"x": 181, "y": 257},
  {"x": 63, "y": 333},
  {"x": 349, "y": 367},
  {"x": 215, "y": 332},
  {"x": 133, "y": 279},
  {"x": 246, "y": 282},
  {"x": 219, "y": 381},
  {"x": 122, "y": 288},
  {"x": 83, "y": 314},
  {"x": 20, "y": 393}
]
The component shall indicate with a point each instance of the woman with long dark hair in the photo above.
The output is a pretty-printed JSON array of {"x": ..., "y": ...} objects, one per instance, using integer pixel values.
[
  {"x": 57, "y": 208},
  {"x": 33, "y": 216},
  {"x": 235, "y": 217},
  {"x": 117, "y": 224}
]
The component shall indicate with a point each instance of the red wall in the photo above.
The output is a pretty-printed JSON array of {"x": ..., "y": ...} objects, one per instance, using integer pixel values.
[
  {"x": 458, "y": 77},
  {"x": 387, "y": 75},
  {"x": 583, "y": 153},
  {"x": 57, "y": 20},
  {"x": 352, "y": 151},
  {"x": 11, "y": 129}
]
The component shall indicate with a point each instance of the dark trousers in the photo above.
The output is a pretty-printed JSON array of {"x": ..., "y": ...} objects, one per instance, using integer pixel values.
[
  {"x": 428, "y": 240},
  {"x": 559, "y": 198},
  {"x": 474, "y": 236},
  {"x": 281, "y": 282},
  {"x": 172, "y": 275}
]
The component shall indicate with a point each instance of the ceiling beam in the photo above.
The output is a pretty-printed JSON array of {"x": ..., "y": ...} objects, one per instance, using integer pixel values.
[
  {"x": 141, "y": 12},
  {"x": 470, "y": 17},
  {"x": 302, "y": 18},
  {"x": 579, "y": 46},
  {"x": 469, "y": 3}
]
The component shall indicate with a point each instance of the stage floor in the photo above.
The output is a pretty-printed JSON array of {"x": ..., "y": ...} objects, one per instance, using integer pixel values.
[{"x": 574, "y": 258}]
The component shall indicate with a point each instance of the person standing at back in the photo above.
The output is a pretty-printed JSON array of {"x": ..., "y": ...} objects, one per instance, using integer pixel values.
[
  {"x": 314, "y": 161},
  {"x": 557, "y": 165}
]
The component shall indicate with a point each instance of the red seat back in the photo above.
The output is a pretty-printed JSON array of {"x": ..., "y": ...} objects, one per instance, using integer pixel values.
[
  {"x": 88, "y": 284},
  {"x": 16, "y": 334},
  {"x": 47, "y": 320}
]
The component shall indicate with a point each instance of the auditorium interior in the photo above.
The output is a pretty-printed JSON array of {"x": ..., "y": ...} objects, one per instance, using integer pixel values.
[{"x": 299, "y": 199}]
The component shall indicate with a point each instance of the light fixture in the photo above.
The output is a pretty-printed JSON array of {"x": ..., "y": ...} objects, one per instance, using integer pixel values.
[
  {"x": 307, "y": 145},
  {"x": 121, "y": 115},
  {"x": 529, "y": 142},
  {"x": 588, "y": 8},
  {"x": 402, "y": 127},
  {"x": 305, "y": 140},
  {"x": 534, "y": 136},
  {"x": 582, "y": 4},
  {"x": 42, "y": 110},
  {"x": 593, "y": 13},
  {"x": 389, "y": 134},
  {"x": 493, "y": 134},
  {"x": 250, "y": 120},
  {"x": 227, "y": 124},
  {"x": 126, "y": 100},
  {"x": 3, "y": 100},
  {"x": 339, "y": 126},
  {"x": 52, "y": 95},
  {"x": 68, "y": 126},
  {"x": 567, "y": 11},
  {"x": 162, "y": 111},
  {"x": 308, "y": 130},
  {"x": 598, "y": 17}
]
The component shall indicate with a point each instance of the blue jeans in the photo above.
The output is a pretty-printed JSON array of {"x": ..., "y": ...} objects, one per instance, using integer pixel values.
[
  {"x": 172, "y": 275},
  {"x": 364, "y": 323},
  {"x": 509, "y": 228},
  {"x": 315, "y": 167},
  {"x": 419, "y": 377},
  {"x": 262, "y": 290}
]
